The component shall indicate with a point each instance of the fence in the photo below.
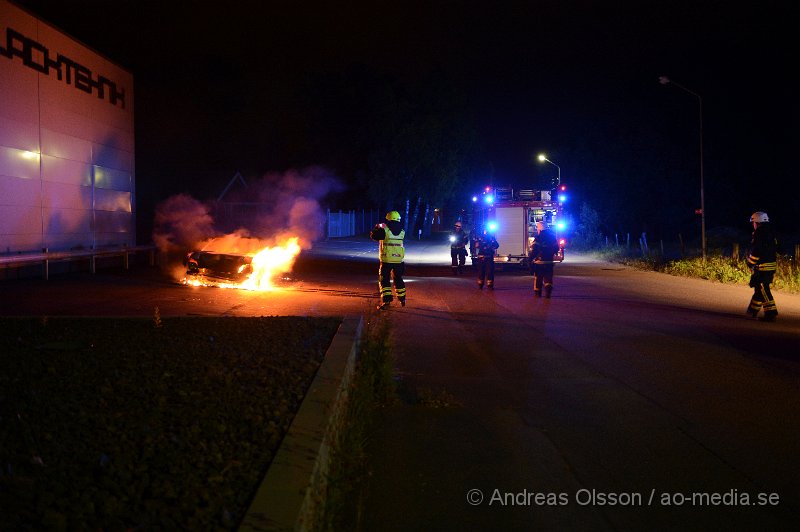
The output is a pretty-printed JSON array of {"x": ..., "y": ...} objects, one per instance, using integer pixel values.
[
  {"x": 733, "y": 250},
  {"x": 350, "y": 223}
]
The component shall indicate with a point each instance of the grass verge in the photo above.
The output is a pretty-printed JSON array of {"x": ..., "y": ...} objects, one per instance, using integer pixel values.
[
  {"x": 162, "y": 423},
  {"x": 372, "y": 387},
  {"x": 716, "y": 267}
]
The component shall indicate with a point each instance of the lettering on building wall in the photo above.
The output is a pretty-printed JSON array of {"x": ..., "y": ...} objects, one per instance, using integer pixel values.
[{"x": 38, "y": 57}]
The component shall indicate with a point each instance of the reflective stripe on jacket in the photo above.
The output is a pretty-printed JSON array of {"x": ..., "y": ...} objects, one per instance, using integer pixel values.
[
  {"x": 763, "y": 266},
  {"x": 762, "y": 256}
]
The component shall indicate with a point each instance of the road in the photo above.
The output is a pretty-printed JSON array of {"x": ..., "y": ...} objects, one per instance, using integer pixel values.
[
  {"x": 630, "y": 386},
  {"x": 635, "y": 386}
]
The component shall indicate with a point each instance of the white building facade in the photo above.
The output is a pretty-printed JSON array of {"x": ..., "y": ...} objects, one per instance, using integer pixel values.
[{"x": 67, "y": 176}]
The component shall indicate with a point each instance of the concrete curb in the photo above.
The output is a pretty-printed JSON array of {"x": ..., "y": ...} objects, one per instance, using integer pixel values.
[{"x": 292, "y": 494}]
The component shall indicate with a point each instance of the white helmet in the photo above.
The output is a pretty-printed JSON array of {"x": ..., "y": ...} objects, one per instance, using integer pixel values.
[{"x": 760, "y": 217}]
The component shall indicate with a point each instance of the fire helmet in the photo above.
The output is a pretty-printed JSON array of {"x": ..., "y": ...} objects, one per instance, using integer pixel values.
[
  {"x": 759, "y": 217},
  {"x": 393, "y": 216}
]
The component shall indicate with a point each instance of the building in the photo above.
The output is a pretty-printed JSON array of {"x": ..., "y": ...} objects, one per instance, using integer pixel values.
[{"x": 67, "y": 176}]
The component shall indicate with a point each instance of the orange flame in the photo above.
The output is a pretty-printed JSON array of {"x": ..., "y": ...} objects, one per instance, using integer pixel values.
[
  {"x": 270, "y": 262},
  {"x": 266, "y": 264}
]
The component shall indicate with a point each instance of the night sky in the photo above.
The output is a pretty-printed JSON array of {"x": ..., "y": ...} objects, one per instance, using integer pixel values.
[{"x": 261, "y": 87}]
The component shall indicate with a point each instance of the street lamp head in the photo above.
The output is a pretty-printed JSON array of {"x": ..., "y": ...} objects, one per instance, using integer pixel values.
[
  {"x": 663, "y": 80},
  {"x": 542, "y": 158}
]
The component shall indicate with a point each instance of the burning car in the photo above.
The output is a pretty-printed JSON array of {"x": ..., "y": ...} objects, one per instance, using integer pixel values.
[
  {"x": 251, "y": 271},
  {"x": 209, "y": 267}
]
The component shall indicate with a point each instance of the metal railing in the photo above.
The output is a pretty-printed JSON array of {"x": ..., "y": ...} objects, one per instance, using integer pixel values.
[{"x": 45, "y": 257}]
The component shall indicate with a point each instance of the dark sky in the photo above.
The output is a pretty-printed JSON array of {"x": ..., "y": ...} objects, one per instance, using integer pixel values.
[{"x": 225, "y": 87}]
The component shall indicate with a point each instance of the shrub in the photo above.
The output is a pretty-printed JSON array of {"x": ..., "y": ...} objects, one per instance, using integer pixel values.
[
  {"x": 587, "y": 234},
  {"x": 716, "y": 267}
]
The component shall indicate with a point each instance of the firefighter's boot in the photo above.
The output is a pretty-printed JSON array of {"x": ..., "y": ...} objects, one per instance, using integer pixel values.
[
  {"x": 548, "y": 289},
  {"x": 490, "y": 284},
  {"x": 770, "y": 310}
]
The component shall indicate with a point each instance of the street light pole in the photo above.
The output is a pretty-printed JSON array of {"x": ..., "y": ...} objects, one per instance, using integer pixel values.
[
  {"x": 546, "y": 160},
  {"x": 664, "y": 80}
]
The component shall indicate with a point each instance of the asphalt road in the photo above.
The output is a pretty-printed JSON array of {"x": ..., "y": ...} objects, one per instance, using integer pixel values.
[{"x": 624, "y": 392}]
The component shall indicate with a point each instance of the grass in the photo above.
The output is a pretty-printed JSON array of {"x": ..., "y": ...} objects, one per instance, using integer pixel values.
[
  {"x": 162, "y": 423},
  {"x": 372, "y": 387},
  {"x": 716, "y": 267}
]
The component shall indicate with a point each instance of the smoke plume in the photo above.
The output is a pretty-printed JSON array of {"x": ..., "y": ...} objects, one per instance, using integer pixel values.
[
  {"x": 181, "y": 221},
  {"x": 266, "y": 212}
]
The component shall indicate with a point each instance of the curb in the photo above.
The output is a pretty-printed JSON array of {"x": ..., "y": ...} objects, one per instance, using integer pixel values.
[{"x": 292, "y": 493}]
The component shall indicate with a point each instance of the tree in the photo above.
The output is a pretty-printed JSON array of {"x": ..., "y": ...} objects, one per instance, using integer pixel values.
[
  {"x": 588, "y": 235},
  {"x": 424, "y": 147}
]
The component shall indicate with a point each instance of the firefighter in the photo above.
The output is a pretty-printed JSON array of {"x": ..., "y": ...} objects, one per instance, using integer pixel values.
[
  {"x": 762, "y": 263},
  {"x": 543, "y": 248},
  {"x": 458, "y": 248},
  {"x": 391, "y": 252},
  {"x": 485, "y": 246}
]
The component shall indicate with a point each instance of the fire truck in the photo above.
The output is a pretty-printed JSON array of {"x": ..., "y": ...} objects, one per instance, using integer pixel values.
[{"x": 512, "y": 215}]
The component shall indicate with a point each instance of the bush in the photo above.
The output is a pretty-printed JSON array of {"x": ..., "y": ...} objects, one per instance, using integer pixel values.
[
  {"x": 717, "y": 267},
  {"x": 587, "y": 234}
]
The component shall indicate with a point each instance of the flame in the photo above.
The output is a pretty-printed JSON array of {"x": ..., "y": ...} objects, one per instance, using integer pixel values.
[
  {"x": 270, "y": 262},
  {"x": 266, "y": 264}
]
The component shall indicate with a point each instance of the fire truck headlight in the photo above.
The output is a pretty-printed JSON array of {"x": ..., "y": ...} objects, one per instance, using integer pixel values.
[{"x": 474, "y": 198}]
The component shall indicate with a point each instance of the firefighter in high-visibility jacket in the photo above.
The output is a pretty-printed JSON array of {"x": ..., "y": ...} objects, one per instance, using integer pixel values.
[
  {"x": 762, "y": 261},
  {"x": 390, "y": 236},
  {"x": 543, "y": 248}
]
